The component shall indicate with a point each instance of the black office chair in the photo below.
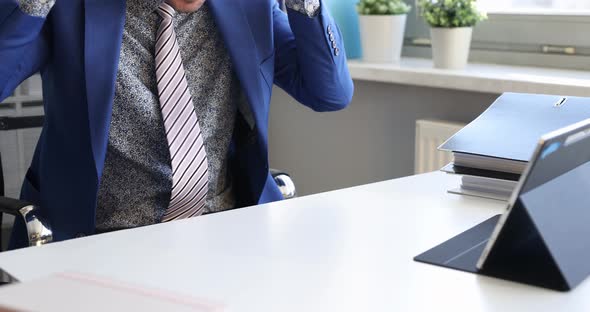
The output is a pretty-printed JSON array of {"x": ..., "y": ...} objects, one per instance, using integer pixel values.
[{"x": 39, "y": 229}]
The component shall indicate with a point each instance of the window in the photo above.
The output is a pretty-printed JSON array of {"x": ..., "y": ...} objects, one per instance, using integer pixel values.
[
  {"x": 538, "y": 6},
  {"x": 548, "y": 33}
]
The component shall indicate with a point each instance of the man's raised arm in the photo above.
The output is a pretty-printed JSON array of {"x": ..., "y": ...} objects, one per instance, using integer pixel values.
[{"x": 310, "y": 61}]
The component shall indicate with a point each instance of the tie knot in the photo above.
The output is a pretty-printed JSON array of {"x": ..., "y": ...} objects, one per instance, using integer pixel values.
[{"x": 166, "y": 11}]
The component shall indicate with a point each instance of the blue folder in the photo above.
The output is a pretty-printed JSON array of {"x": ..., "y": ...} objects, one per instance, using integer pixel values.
[{"x": 511, "y": 127}]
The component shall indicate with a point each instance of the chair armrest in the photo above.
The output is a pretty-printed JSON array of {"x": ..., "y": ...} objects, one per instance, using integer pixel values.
[
  {"x": 285, "y": 183},
  {"x": 38, "y": 229},
  {"x": 12, "y": 206},
  {"x": 17, "y": 123}
]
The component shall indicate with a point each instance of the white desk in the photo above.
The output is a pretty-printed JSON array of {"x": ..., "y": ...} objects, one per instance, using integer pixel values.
[{"x": 349, "y": 250}]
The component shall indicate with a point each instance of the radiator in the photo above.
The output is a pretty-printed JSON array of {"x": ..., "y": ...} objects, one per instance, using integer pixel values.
[{"x": 430, "y": 134}]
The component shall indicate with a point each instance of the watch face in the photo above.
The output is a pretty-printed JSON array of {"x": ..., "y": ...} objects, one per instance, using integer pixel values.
[{"x": 311, "y": 7}]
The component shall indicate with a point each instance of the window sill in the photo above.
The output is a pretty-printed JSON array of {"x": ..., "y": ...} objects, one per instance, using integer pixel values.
[{"x": 477, "y": 77}]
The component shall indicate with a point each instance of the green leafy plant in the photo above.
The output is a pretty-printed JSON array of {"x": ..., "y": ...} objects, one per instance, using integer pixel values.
[
  {"x": 451, "y": 13},
  {"x": 382, "y": 7}
]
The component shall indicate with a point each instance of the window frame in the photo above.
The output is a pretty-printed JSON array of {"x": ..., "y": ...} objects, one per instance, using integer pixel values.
[{"x": 515, "y": 39}]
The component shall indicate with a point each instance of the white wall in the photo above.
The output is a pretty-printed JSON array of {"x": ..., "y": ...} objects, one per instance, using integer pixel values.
[{"x": 372, "y": 140}]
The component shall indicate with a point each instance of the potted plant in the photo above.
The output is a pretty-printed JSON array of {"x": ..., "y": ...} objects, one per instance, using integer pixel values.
[
  {"x": 451, "y": 23},
  {"x": 383, "y": 24}
]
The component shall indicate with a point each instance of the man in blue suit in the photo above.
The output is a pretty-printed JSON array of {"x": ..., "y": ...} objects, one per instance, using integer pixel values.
[{"x": 157, "y": 111}]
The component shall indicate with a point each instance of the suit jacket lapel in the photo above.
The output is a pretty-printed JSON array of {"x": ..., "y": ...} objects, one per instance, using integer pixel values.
[
  {"x": 104, "y": 22},
  {"x": 232, "y": 22}
]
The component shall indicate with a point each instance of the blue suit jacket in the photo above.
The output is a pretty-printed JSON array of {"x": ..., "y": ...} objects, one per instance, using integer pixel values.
[{"x": 76, "y": 49}]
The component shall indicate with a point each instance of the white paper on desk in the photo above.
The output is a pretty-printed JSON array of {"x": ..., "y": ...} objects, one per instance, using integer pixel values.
[
  {"x": 77, "y": 292},
  {"x": 462, "y": 191}
]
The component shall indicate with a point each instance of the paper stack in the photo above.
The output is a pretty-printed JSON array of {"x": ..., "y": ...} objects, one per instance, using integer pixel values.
[{"x": 495, "y": 182}]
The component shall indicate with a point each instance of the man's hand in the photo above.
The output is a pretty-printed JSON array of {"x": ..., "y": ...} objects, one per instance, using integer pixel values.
[
  {"x": 36, "y": 7},
  {"x": 186, "y": 6},
  {"x": 308, "y": 7}
]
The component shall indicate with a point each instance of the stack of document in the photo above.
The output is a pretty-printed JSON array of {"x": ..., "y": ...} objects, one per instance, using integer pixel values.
[
  {"x": 487, "y": 177},
  {"x": 489, "y": 163},
  {"x": 493, "y": 151},
  {"x": 497, "y": 181},
  {"x": 494, "y": 187},
  {"x": 486, "y": 182}
]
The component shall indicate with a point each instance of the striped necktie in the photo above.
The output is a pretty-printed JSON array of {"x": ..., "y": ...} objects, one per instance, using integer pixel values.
[{"x": 189, "y": 160}]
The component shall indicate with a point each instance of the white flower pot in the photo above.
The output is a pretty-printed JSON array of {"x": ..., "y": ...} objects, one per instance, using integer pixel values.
[
  {"x": 382, "y": 37},
  {"x": 450, "y": 47}
]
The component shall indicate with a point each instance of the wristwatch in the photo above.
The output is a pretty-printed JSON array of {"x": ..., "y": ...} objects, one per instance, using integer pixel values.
[{"x": 308, "y": 7}]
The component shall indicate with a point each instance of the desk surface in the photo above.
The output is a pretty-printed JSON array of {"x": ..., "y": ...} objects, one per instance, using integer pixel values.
[{"x": 349, "y": 250}]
